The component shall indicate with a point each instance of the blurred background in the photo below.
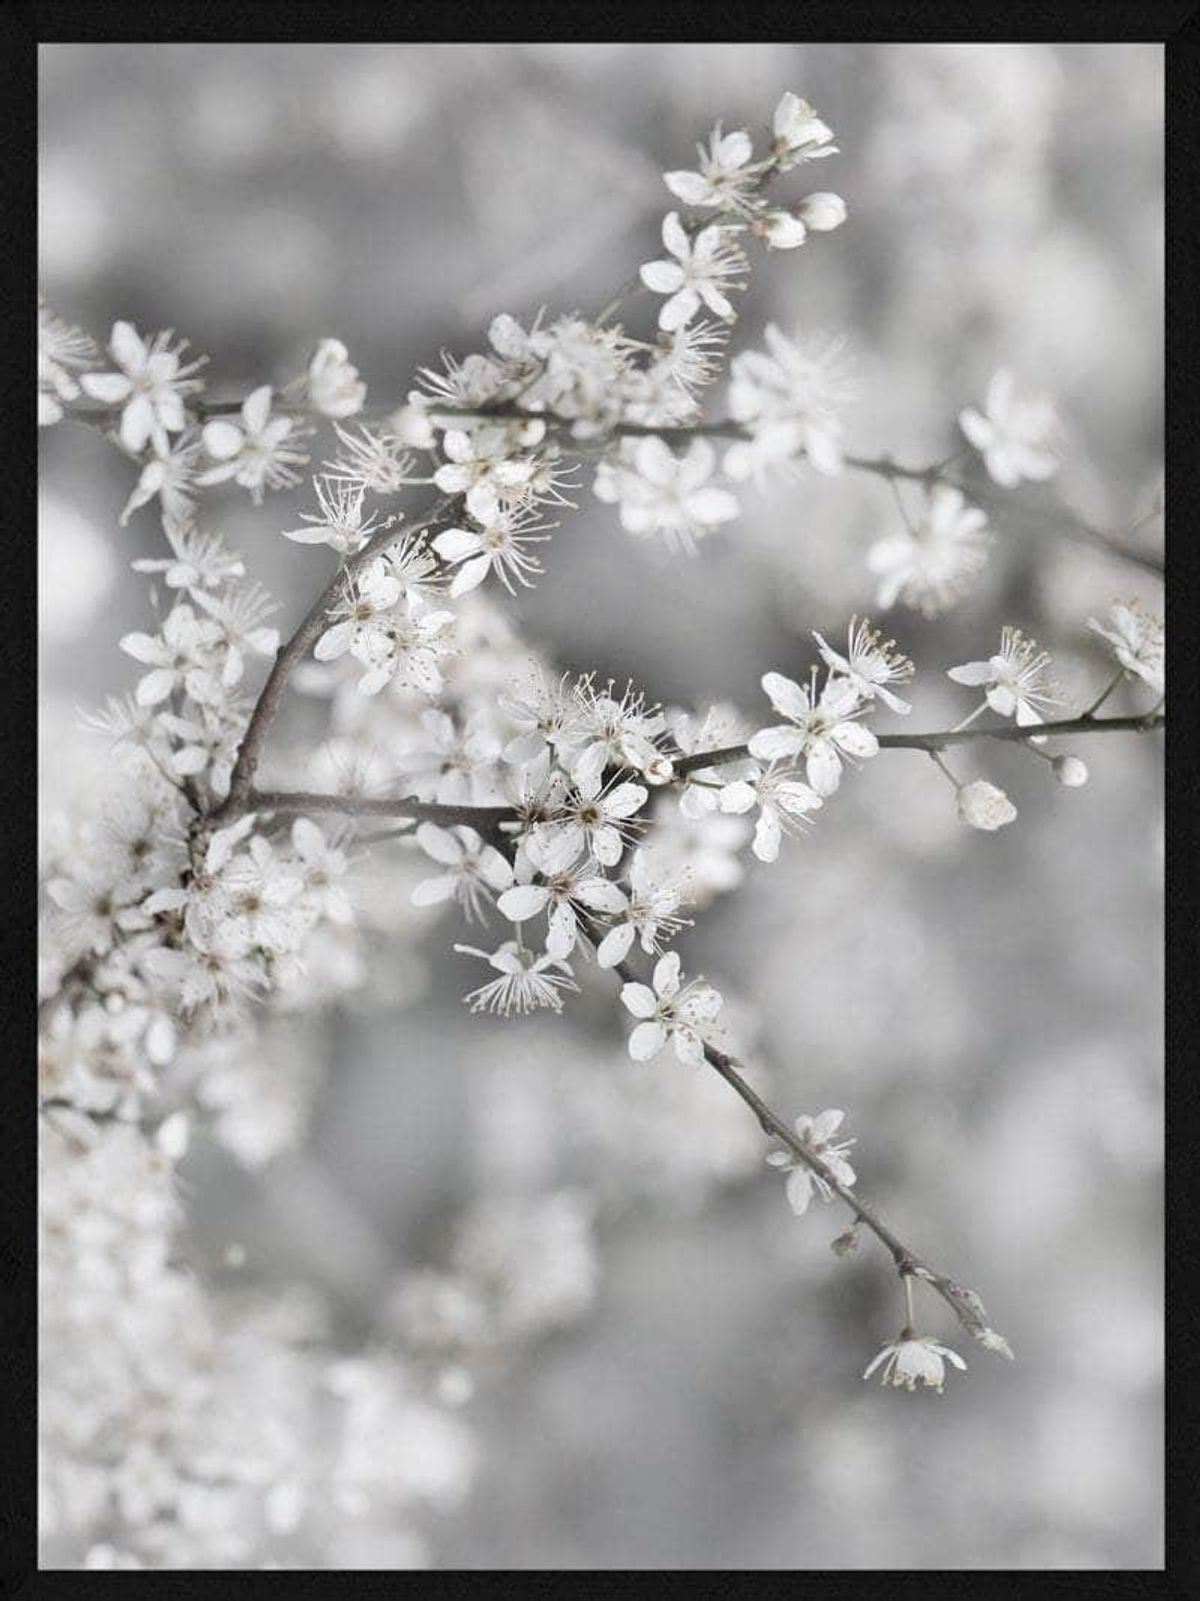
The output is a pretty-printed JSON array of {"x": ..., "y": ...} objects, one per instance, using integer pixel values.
[{"x": 686, "y": 1390}]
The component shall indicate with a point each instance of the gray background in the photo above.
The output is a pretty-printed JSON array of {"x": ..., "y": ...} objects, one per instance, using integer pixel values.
[{"x": 987, "y": 1008}]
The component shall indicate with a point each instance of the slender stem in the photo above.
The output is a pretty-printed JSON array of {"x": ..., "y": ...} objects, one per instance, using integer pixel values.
[
  {"x": 1146, "y": 723},
  {"x": 937, "y": 761},
  {"x": 1104, "y": 694}
]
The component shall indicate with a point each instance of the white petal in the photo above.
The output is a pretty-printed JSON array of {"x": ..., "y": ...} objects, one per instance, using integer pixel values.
[{"x": 646, "y": 1041}]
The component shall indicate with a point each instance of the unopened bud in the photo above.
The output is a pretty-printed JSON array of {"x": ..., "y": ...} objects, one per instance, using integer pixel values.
[
  {"x": 846, "y": 1244},
  {"x": 1070, "y": 770},
  {"x": 659, "y": 770},
  {"x": 983, "y": 806},
  {"x": 822, "y": 211}
]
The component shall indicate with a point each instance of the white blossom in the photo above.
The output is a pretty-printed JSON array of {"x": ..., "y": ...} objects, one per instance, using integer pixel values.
[
  {"x": 475, "y": 872},
  {"x": 339, "y": 522},
  {"x": 199, "y": 561},
  {"x": 913, "y": 1359},
  {"x": 816, "y": 1136},
  {"x": 258, "y": 452},
  {"x": 871, "y": 663},
  {"x": 62, "y": 350},
  {"x": 655, "y": 895},
  {"x": 498, "y": 546},
  {"x": 1017, "y": 436},
  {"x": 378, "y": 462},
  {"x": 800, "y": 135},
  {"x": 928, "y": 567},
  {"x": 784, "y": 803},
  {"x": 592, "y": 816},
  {"x": 672, "y": 1011},
  {"x": 822, "y": 727},
  {"x": 661, "y": 493},
  {"x": 790, "y": 398},
  {"x": 726, "y": 177},
  {"x": 181, "y": 657},
  {"x": 170, "y": 473},
  {"x": 150, "y": 387},
  {"x": 526, "y": 983},
  {"x": 1137, "y": 640},
  {"x": 334, "y": 386},
  {"x": 565, "y": 892},
  {"x": 700, "y": 272},
  {"x": 1015, "y": 678}
]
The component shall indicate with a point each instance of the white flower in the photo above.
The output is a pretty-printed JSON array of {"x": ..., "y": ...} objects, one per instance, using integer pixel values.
[
  {"x": 981, "y": 805},
  {"x": 822, "y": 728},
  {"x": 476, "y": 872},
  {"x": 548, "y": 717},
  {"x": 170, "y": 474},
  {"x": 339, "y": 522},
  {"x": 60, "y": 349},
  {"x": 1017, "y": 437},
  {"x": 700, "y": 272},
  {"x": 915, "y": 1358},
  {"x": 526, "y": 981},
  {"x": 255, "y": 452},
  {"x": 871, "y": 663},
  {"x": 239, "y": 615},
  {"x": 662, "y": 493},
  {"x": 198, "y": 560},
  {"x": 783, "y": 801},
  {"x": 259, "y": 893},
  {"x": 486, "y": 466},
  {"x": 410, "y": 648},
  {"x": 654, "y": 897},
  {"x": 375, "y": 461},
  {"x": 726, "y": 177},
  {"x": 181, "y": 657},
  {"x": 800, "y": 135},
  {"x": 563, "y": 892},
  {"x": 1015, "y": 678},
  {"x": 499, "y": 547},
  {"x": 789, "y": 398},
  {"x": 591, "y": 817},
  {"x": 671, "y": 1010},
  {"x": 1137, "y": 639},
  {"x": 785, "y": 230},
  {"x": 617, "y": 733},
  {"x": 334, "y": 386},
  {"x": 367, "y": 599},
  {"x": 149, "y": 388},
  {"x": 323, "y": 865},
  {"x": 816, "y": 1135},
  {"x": 930, "y": 566}
]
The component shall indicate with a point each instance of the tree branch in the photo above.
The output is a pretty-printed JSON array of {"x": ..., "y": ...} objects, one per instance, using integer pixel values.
[{"x": 1085, "y": 724}]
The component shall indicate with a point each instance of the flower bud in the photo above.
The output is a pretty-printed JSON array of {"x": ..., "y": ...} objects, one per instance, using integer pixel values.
[
  {"x": 659, "y": 769},
  {"x": 822, "y": 211},
  {"x": 1070, "y": 770},
  {"x": 983, "y": 806},
  {"x": 780, "y": 229},
  {"x": 334, "y": 386},
  {"x": 846, "y": 1244}
]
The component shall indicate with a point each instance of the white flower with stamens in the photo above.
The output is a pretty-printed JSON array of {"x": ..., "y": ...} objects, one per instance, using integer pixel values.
[
  {"x": 409, "y": 648},
  {"x": 378, "y": 462},
  {"x": 547, "y": 716},
  {"x": 1015, "y": 678},
  {"x": 260, "y": 893},
  {"x": 171, "y": 475},
  {"x": 498, "y": 546},
  {"x": 928, "y": 567},
  {"x": 208, "y": 743},
  {"x": 726, "y": 176},
  {"x": 822, "y": 728},
  {"x": 486, "y": 466},
  {"x": 913, "y": 1359},
  {"x": 1017, "y": 437},
  {"x": 672, "y": 1011},
  {"x": 699, "y": 273},
  {"x": 449, "y": 763},
  {"x": 1137, "y": 639},
  {"x": 199, "y": 561},
  {"x": 617, "y": 733},
  {"x": 566, "y": 892},
  {"x": 790, "y": 398},
  {"x": 366, "y": 601},
  {"x": 181, "y": 656},
  {"x": 871, "y": 663},
  {"x": 334, "y": 386},
  {"x": 323, "y": 865},
  {"x": 61, "y": 348},
  {"x": 590, "y": 817},
  {"x": 661, "y": 493},
  {"x": 256, "y": 452},
  {"x": 239, "y": 615},
  {"x": 654, "y": 898},
  {"x": 339, "y": 522},
  {"x": 800, "y": 135},
  {"x": 982, "y": 805},
  {"x": 721, "y": 727},
  {"x": 784, "y": 805},
  {"x": 816, "y": 1135},
  {"x": 475, "y": 873},
  {"x": 526, "y": 981},
  {"x": 150, "y": 388}
]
